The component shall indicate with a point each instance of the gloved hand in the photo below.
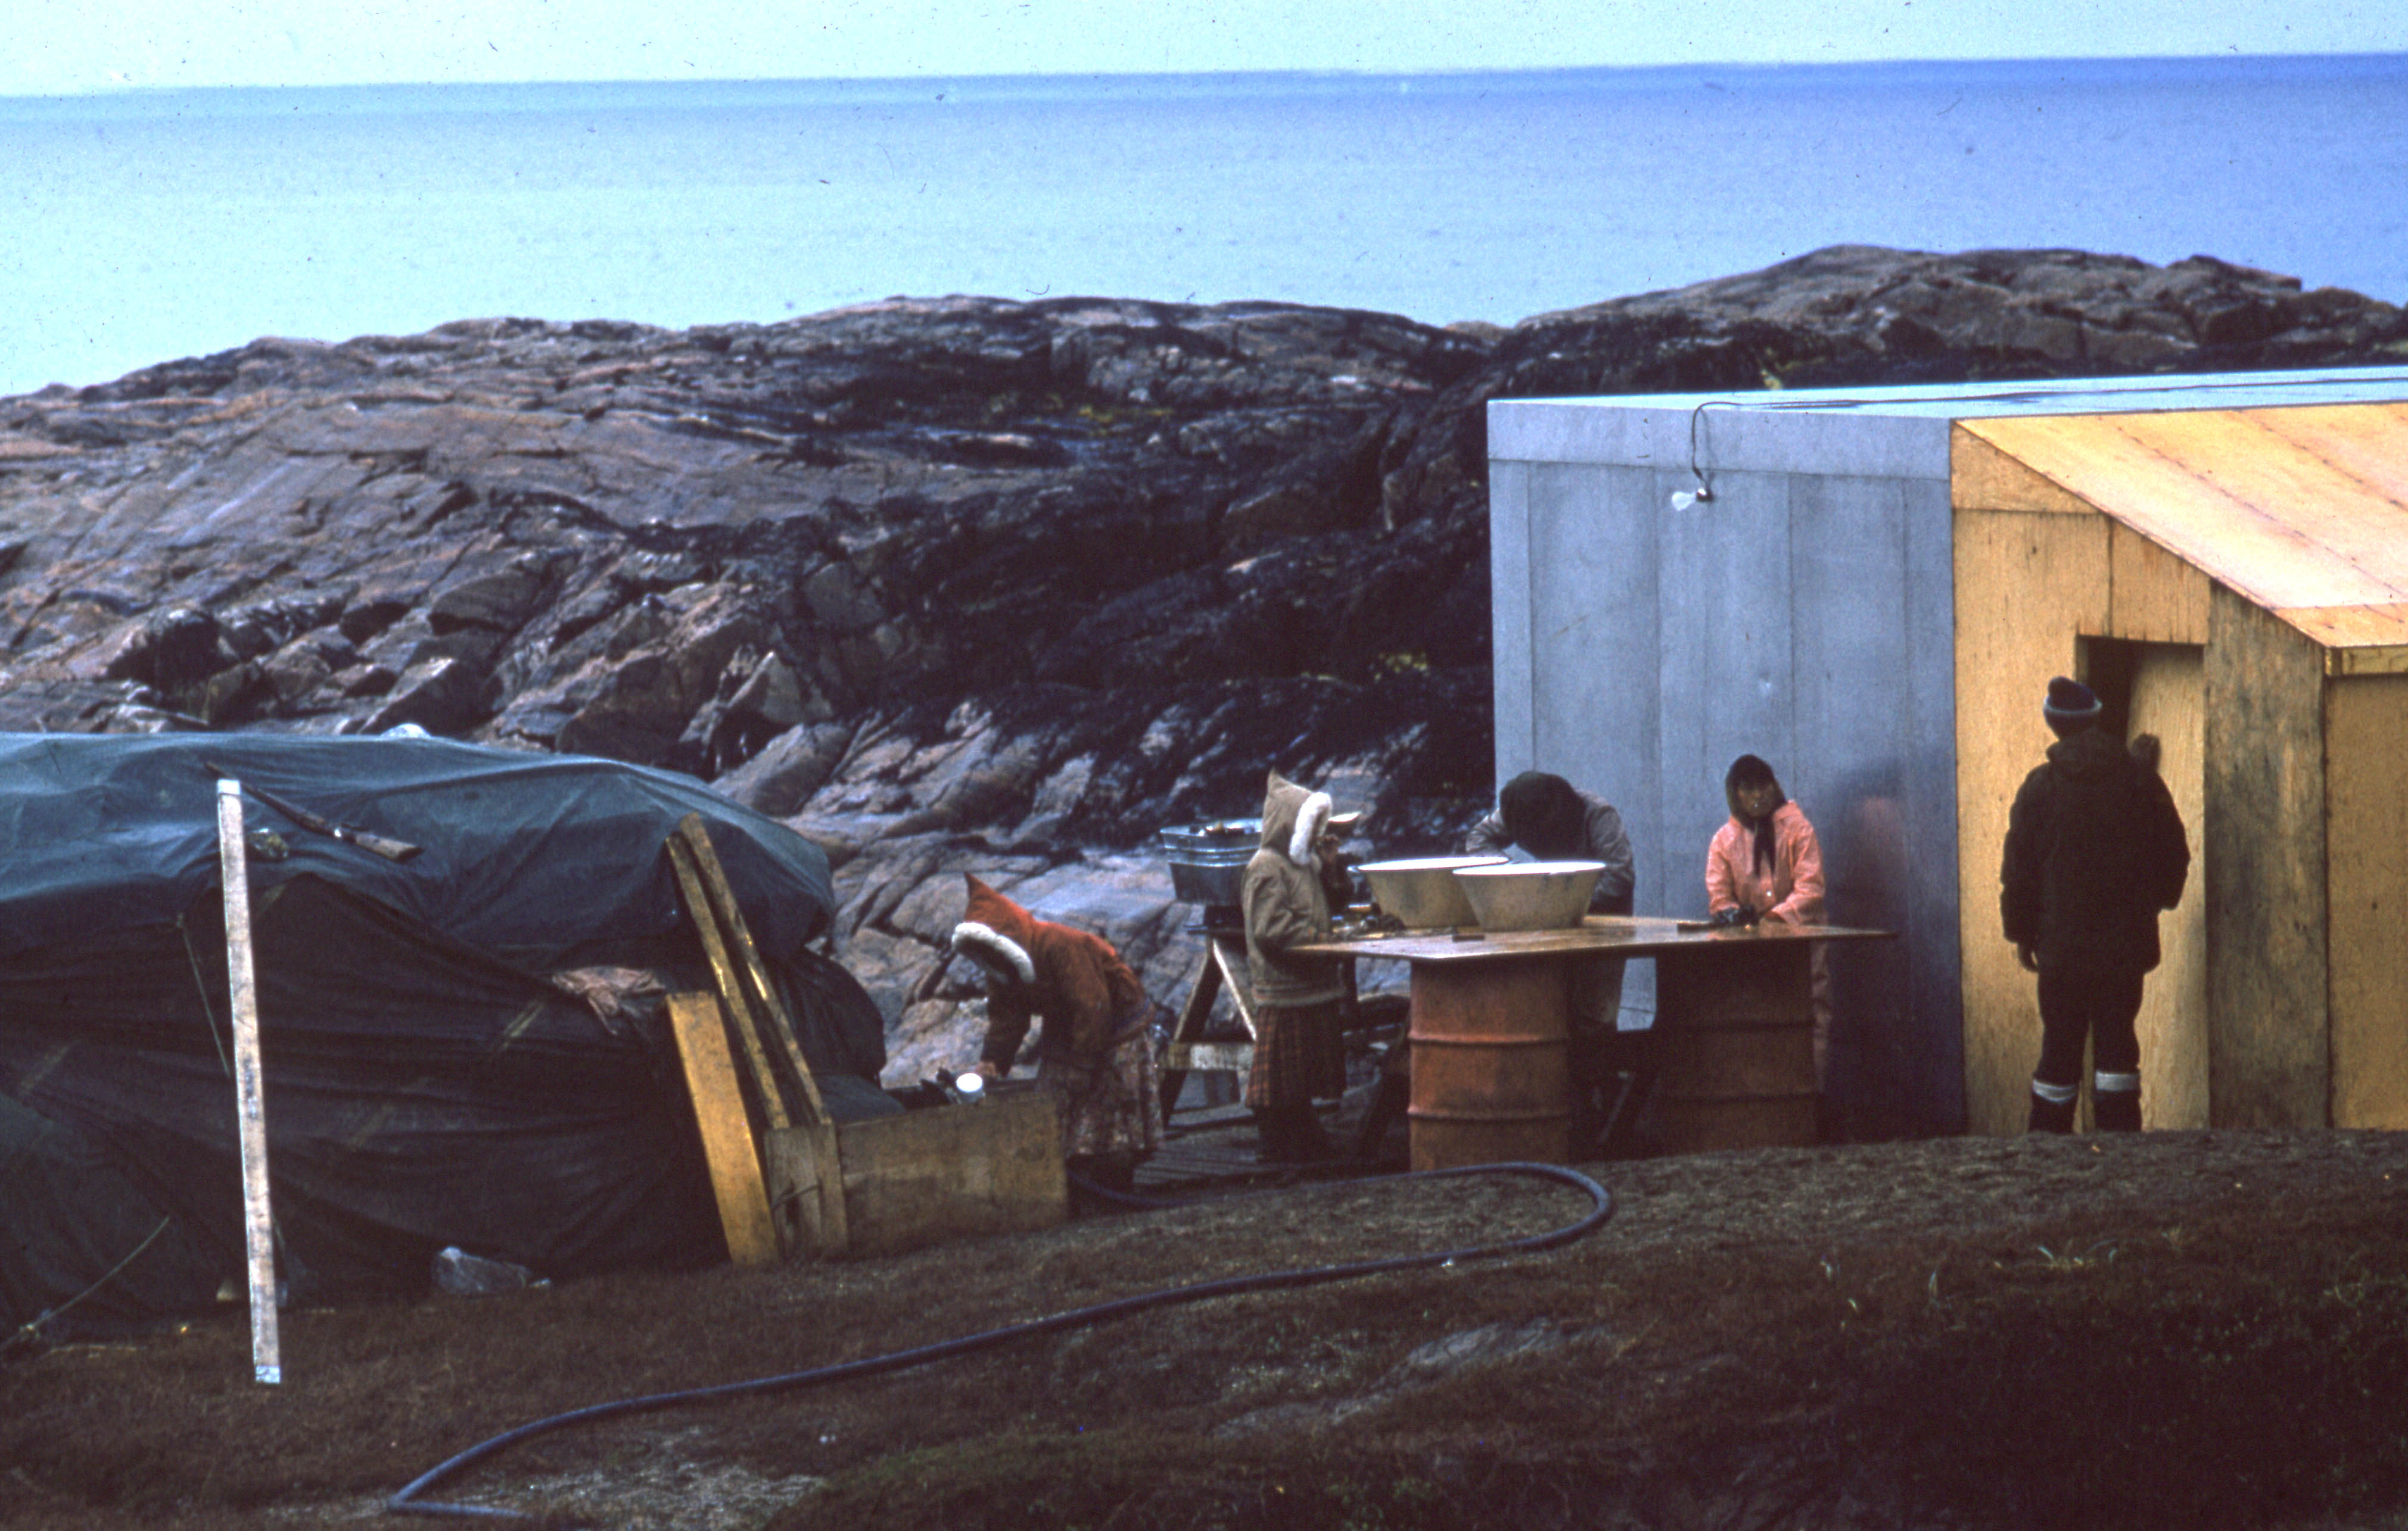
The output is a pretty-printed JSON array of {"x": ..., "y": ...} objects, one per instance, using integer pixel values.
[{"x": 1738, "y": 917}]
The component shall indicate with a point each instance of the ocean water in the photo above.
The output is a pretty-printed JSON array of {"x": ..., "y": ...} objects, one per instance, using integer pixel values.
[{"x": 142, "y": 227}]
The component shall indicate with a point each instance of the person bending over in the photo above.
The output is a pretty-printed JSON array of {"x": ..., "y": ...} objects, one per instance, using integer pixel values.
[{"x": 1094, "y": 1048}]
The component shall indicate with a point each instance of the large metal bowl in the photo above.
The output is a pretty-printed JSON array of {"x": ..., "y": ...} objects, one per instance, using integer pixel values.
[
  {"x": 1423, "y": 893},
  {"x": 1529, "y": 895}
]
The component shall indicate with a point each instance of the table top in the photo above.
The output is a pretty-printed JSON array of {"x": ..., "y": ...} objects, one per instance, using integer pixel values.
[{"x": 1607, "y": 935}]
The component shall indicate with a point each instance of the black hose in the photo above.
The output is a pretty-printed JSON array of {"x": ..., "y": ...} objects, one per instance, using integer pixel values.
[{"x": 1602, "y": 1207}]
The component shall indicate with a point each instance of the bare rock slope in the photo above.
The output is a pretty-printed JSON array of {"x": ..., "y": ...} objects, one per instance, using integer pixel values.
[{"x": 950, "y": 584}]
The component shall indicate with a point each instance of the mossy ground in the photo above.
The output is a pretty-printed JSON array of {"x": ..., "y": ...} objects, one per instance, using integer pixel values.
[{"x": 2183, "y": 1329}]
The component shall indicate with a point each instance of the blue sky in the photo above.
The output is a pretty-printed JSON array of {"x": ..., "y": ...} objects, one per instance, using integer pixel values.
[{"x": 72, "y": 46}]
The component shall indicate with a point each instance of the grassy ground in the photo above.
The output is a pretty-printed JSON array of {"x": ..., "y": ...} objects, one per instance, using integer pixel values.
[{"x": 2182, "y": 1329}]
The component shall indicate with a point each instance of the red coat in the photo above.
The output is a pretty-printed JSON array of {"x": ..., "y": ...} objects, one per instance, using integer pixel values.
[{"x": 1089, "y": 998}]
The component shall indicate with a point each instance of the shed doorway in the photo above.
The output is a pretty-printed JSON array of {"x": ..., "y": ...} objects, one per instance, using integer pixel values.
[{"x": 2160, "y": 689}]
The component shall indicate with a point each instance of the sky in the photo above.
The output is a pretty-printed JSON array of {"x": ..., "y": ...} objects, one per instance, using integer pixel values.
[{"x": 61, "y": 47}]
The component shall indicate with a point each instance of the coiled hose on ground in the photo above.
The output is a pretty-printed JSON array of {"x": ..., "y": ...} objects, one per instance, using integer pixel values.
[{"x": 1602, "y": 1207}]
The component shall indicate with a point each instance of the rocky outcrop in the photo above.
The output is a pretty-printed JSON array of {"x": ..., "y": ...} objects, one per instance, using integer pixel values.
[{"x": 949, "y": 584}]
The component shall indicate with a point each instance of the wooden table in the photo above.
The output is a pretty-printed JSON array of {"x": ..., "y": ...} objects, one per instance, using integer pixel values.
[{"x": 1734, "y": 1020}]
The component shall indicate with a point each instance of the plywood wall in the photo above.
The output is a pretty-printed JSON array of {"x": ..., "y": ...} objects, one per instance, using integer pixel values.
[
  {"x": 2169, "y": 700},
  {"x": 2026, "y": 584},
  {"x": 2037, "y": 571},
  {"x": 2265, "y": 879},
  {"x": 2366, "y": 750}
]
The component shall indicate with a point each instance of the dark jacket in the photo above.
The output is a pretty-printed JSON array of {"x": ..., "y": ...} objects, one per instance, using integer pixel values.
[
  {"x": 2095, "y": 849},
  {"x": 1604, "y": 841}
]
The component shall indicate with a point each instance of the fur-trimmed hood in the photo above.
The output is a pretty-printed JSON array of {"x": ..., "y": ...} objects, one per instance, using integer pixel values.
[
  {"x": 1090, "y": 1000},
  {"x": 999, "y": 928},
  {"x": 1293, "y": 817}
]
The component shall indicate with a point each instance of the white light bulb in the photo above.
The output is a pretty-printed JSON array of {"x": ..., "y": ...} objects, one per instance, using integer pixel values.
[{"x": 1682, "y": 499}]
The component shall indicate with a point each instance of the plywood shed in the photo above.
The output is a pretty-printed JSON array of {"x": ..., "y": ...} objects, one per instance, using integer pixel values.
[{"x": 1873, "y": 597}]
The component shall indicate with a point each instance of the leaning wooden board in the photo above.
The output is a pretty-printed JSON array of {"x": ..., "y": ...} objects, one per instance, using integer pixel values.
[
  {"x": 825, "y": 1188},
  {"x": 728, "y": 1145}
]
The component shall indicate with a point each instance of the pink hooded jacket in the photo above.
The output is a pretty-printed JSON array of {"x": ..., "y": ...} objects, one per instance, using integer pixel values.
[{"x": 1794, "y": 889}]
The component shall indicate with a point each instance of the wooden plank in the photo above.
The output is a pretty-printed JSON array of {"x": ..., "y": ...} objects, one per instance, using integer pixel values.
[
  {"x": 806, "y": 1181},
  {"x": 727, "y": 1146},
  {"x": 955, "y": 1172},
  {"x": 2361, "y": 529},
  {"x": 2227, "y": 496},
  {"x": 2263, "y": 847},
  {"x": 2025, "y": 585},
  {"x": 1236, "y": 1057},
  {"x": 250, "y": 1106},
  {"x": 765, "y": 995},
  {"x": 2368, "y": 442},
  {"x": 1611, "y": 934},
  {"x": 1984, "y": 476},
  {"x": 731, "y": 988},
  {"x": 2152, "y": 595},
  {"x": 2367, "y": 661},
  {"x": 1192, "y": 1016},
  {"x": 2366, "y": 722},
  {"x": 2374, "y": 639},
  {"x": 2169, "y": 700},
  {"x": 1230, "y": 958}
]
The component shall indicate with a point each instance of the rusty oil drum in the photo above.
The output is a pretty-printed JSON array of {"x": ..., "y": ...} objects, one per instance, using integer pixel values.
[
  {"x": 1489, "y": 1081},
  {"x": 1735, "y": 1045}
]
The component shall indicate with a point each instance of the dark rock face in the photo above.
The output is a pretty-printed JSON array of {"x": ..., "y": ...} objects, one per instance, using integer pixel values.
[{"x": 951, "y": 584}]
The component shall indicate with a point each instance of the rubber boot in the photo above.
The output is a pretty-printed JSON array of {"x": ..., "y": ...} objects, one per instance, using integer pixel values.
[
  {"x": 1271, "y": 1138},
  {"x": 1308, "y": 1144},
  {"x": 2050, "y": 1115},
  {"x": 2115, "y": 1111}
]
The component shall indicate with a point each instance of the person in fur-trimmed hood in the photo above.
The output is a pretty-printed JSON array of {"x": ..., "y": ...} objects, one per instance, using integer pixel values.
[
  {"x": 1299, "y": 1054},
  {"x": 1096, "y": 1049}
]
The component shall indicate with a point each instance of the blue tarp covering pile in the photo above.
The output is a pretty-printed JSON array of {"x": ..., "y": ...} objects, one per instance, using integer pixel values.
[{"x": 430, "y": 1080}]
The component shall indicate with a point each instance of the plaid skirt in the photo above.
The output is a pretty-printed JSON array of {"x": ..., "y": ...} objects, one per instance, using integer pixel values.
[
  {"x": 1299, "y": 1057},
  {"x": 1114, "y": 1110}
]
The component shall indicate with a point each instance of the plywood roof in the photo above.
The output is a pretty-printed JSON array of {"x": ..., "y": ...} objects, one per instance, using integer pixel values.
[{"x": 2302, "y": 511}]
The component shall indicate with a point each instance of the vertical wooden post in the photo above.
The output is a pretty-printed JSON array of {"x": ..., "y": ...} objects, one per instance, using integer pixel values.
[{"x": 259, "y": 1225}]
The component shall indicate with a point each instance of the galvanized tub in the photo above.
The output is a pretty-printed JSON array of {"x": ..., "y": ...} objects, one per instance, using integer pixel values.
[
  {"x": 1529, "y": 895},
  {"x": 1423, "y": 893},
  {"x": 1208, "y": 861}
]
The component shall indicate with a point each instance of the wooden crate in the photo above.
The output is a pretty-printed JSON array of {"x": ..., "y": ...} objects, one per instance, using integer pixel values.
[{"x": 928, "y": 1176}]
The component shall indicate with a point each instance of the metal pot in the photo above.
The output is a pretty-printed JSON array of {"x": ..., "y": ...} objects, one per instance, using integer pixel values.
[
  {"x": 1423, "y": 893},
  {"x": 1208, "y": 861},
  {"x": 1529, "y": 895}
]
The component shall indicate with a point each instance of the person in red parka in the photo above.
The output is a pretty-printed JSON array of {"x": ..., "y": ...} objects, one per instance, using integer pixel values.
[
  {"x": 1765, "y": 864},
  {"x": 1095, "y": 1050}
]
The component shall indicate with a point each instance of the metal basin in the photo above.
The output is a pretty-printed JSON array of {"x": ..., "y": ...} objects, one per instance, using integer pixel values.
[
  {"x": 1208, "y": 861},
  {"x": 1423, "y": 893},
  {"x": 1529, "y": 895}
]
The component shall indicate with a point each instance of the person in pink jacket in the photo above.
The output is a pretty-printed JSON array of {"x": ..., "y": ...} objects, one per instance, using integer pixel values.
[{"x": 1766, "y": 865}]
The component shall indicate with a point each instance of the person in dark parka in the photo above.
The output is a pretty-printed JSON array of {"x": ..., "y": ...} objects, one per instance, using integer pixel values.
[{"x": 2095, "y": 850}]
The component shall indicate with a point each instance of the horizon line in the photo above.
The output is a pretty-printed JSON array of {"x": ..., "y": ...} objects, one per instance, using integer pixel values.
[{"x": 132, "y": 91}]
